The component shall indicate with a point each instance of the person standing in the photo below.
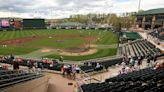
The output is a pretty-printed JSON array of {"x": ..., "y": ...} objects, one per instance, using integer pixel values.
[
  {"x": 15, "y": 65},
  {"x": 148, "y": 61},
  {"x": 139, "y": 62}
]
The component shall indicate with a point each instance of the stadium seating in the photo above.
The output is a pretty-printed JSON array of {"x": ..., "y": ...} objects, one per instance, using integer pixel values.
[
  {"x": 24, "y": 62},
  {"x": 158, "y": 35},
  {"x": 140, "y": 48},
  {"x": 111, "y": 62},
  {"x": 90, "y": 68},
  {"x": 56, "y": 67},
  {"x": 10, "y": 77},
  {"x": 142, "y": 75},
  {"x": 146, "y": 80}
]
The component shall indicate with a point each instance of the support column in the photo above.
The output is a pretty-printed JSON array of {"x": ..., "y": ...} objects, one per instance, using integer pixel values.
[
  {"x": 153, "y": 22},
  {"x": 136, "y": 24},
  {"x": 143, "y": 22}
]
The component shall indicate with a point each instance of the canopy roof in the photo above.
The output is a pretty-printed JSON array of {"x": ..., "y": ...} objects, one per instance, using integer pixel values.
[{"x": 151, "y": 12}]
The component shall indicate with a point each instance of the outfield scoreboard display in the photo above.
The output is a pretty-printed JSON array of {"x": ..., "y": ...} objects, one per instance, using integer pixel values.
[
  {"x": 6, "y": 23},
  {"x": 0, "y": 25},
  {"x": 33, "y": 23}
]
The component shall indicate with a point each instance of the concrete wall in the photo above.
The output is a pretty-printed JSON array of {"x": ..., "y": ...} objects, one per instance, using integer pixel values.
[{"x": 36, "y": 85}]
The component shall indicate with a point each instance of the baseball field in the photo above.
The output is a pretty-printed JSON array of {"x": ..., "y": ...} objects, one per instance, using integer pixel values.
[{"x": 75, "y": 45}]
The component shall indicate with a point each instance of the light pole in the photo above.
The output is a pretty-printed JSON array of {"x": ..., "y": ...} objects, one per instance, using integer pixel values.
[
  {"x": 139, "y": 5},
  {"x": 10, "y": 10}
]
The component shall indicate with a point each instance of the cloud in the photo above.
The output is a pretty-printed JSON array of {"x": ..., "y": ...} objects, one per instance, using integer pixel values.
[{"x": 64, "y": 8}]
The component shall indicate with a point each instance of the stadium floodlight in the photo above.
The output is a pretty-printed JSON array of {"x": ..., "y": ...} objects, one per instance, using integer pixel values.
[
  {"x": 139, "y": 5},
  {"x": 10, "y": 11}
]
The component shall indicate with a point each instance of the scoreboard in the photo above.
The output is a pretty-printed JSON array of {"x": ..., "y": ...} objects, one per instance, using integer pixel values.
[
  {"x": 6, "y": 23},
  {"x": 33, "y": 23}
]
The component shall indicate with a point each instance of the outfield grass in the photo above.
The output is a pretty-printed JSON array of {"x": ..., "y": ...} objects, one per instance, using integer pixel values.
[
  {"x": 102, "y": 38},
  {"x": 15, "y": 50},
  {"x": 55, "y": 43}
]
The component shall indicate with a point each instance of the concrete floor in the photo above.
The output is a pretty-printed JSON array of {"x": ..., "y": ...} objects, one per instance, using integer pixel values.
[{"x": 59, "y": 84}]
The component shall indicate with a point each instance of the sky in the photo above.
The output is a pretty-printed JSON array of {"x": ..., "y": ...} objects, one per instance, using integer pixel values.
[{"x": 64, "y": 8}]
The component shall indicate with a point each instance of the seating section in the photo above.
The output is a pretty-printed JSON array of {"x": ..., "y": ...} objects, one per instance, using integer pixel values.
[
  {"x": 159, "y": 34},
  {"x": 90, "y": 67},
  {"x": 128, "y": 86},
  {"x": 55, "y": 66},
  {"x": 10, "y": 77},
  {"x": 146, "y": 80},
  {"x": 111, "y": 62},
  {"x": 104, "y": 63},
  {"x": 140, "y": 48},
  {"x": 142, "y": 75}
]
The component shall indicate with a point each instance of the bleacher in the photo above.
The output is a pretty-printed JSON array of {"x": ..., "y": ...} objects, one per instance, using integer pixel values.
[
  {"x": 146, "y": 80},
  {"x": 12, "y": 77},
  {"x": 140, "y": 48}
]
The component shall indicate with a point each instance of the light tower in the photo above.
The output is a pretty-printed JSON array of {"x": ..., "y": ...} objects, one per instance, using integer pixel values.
[{"x": 139, "y": 5}]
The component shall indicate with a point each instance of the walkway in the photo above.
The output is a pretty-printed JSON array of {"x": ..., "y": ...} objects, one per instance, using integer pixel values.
[{"x": 144, "y": 35}]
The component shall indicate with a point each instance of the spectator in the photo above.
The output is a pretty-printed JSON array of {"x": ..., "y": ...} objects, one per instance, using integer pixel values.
[
  {"x": 41, "y": 65},
  {"x": 139, "y": 62},
  {"x": 12, "y": 57},
  {"x": 77, "y": 69},
  {"x": 132, "y": 62},
  {"x": 74, "y": 71},
  {"x": 123, "y": 64},
  {"x": 30, "y": 65},
  {"x": 69, "y": 70},
  {"x": 63, "y": 70},
  {"x": 97, "y": 65},
  {"x": 106, "y": 67},
  {"x": 1, "y": 67},
  {"x": 148, "y": 61},
  {"x": 15, "y": 65},
  {"x": 61, "y": 59},
  {"x": 155, "y": 58},
  {"x": 136, "y": 66},
  {"x": 122, "y": 71}
]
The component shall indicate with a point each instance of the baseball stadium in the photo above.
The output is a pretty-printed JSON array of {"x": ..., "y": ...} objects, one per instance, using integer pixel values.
[{"x": 81, "y": 47}]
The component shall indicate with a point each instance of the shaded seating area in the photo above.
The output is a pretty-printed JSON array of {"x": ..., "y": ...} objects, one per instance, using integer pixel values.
[{"x": 11, "y": 77}]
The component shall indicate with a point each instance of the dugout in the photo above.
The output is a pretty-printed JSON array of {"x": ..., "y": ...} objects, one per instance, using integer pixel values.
[{"x": 34, "y": 24}]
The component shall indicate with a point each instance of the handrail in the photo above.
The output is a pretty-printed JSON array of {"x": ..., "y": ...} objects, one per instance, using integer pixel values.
[{"x": 23, "y": 80}]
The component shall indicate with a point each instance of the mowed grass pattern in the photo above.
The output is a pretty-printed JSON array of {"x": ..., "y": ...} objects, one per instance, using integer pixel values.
[{"x": 102, "y": 38}]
